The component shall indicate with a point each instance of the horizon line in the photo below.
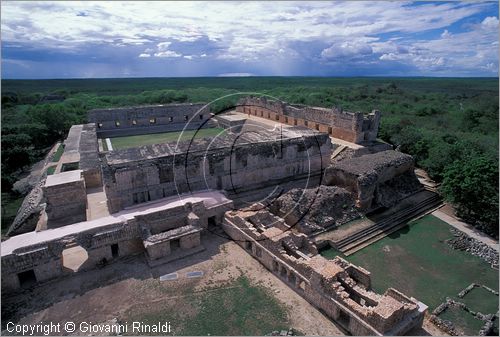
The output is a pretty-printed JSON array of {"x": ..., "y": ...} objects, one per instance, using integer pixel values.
[{"x": 250, "y": 76}]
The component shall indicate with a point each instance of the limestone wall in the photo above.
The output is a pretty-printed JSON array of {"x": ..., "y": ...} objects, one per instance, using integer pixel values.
[
  {"x": 108, "y": 238},
  {"x": 338, "y": 288},
  {"x": 234, "y": 168},
  {"x": 89, "y": 157},
  {"x": 147, "y": 119},
  {"x": 349, "y": 126},
  {"x": 66, "y": 198}
]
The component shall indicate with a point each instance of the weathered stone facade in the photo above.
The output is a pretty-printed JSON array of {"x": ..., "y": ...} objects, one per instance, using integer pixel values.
[
  {"x": 337, "y": 287},
  {"x": 153, "y": 194},
  {"x": 349, "y": 126},
  {"x": 231, "y": 162},
  {"x": 134, "y": 231},
  {"x": 66, "y": 198},
  {"x": 128, "y": 121}
]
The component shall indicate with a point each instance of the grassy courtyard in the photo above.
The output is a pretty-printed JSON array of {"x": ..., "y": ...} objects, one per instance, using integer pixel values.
[
  {"x": 417, "y": 261},
  {"x": 238, "y": 308},
  {"x": 157, "y": 138}
]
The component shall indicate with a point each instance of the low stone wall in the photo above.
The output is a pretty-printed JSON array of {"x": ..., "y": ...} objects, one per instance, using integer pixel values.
[
  {"x": 462, "y": 241},
  {"x": 340, "y": 289}
]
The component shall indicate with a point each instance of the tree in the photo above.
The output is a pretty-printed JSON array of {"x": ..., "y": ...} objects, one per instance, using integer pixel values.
[
  {"x": 472, "y": 186},
  {"x": 412, "y": 140}
]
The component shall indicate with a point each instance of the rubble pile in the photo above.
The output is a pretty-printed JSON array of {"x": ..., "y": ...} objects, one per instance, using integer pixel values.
[
  {"x": 316, "y": 208},
  {"x": 462, "y": 241}
]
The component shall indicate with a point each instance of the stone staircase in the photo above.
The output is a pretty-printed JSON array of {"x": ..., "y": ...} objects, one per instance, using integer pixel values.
[
  {"x": 381, "y": 229},
  {"x": 337, "y": 151}
]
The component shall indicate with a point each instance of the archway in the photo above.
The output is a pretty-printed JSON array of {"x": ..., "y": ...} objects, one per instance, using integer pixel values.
[{"x": 74, "y": 257}]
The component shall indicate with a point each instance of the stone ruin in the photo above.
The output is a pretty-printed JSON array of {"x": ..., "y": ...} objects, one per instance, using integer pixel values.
[
  {"x": 340, "y": 289},
  {"x": 231, "y": 162},
  {"x": 353, "y": 127},
  {"x": 377, "y": 180},
  {"x": 314, "y": 209},
  {"x": 163, "y": 231},
  {"x": 158, "y": 199},
  {"x": 128, "y": 121}
]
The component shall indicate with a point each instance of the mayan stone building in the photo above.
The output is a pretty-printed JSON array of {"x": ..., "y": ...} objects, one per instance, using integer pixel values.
[
  {"x": 349, "y": 126},
  {"x": 230, "y": 162},
  {"x": 148, "y": 119},
  {"x": 337, "y": 287},
  {"x": 158, "y": 199}
]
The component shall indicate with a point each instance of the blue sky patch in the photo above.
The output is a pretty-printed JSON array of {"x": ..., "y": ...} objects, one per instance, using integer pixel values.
[{"x": 138, "y": 39}]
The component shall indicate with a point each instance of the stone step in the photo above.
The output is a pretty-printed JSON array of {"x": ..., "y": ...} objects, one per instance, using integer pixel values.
[
  {"x": 380, "y": 230},
  {"x": 386, "y": 224},
  {"x": 389, "y": 219},
  {"x": 337, "y": 151}
]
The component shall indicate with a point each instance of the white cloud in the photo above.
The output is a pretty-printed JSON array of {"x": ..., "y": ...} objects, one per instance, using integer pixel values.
[
  {"x": 167, "y": 53},
  {"x": 349, "y": 29},
  {"x": 347, "y": 49},
  {"x": 446, "y": 34},
  {"x": 389, "y": 57},
  {"x": 162, "y": 46},
  {"x": 490, "y": 22},
  {"x": 144, "y": 55}
]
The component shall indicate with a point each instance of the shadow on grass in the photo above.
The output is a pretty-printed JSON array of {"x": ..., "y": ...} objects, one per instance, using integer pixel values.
[{"x": 399, "y": 233}]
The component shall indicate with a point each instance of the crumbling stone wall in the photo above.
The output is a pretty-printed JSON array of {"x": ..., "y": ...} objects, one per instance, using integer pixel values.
[
  {"x": 45, "y": 258},
  {"x": 89, "y": 156},
  {"x": 339, "y": 288},
  {"x": 378, "y": 180},
  {"x": 128, "y": 121},
  {"x": 30, "y": 211},
  {"x": 80, "y": 147},
  {"x": 352, "y": 127},
  {"x": 315, "y": 209}
]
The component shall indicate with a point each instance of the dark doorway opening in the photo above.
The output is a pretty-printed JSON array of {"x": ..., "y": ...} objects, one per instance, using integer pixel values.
[
  {"x": 115, "y": 250},
  {"x": 344, "y": 318},
  {"x": 175, "y": 244},
  {"x": 212, "y": 223},
  {"x": 27, "y": 278}
]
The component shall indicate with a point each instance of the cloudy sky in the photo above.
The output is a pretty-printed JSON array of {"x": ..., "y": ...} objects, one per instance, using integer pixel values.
[{"x": 144, "y": 39}]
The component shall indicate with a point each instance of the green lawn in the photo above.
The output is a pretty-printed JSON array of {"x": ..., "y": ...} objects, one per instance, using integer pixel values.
[
  {"x": 417, "y": 261},
  {"x": 58, "y": 153},
  {"x": 51, "y": 170},
  {"x": 157, "y": 138},
  {"x": 238, "y": 308}
]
